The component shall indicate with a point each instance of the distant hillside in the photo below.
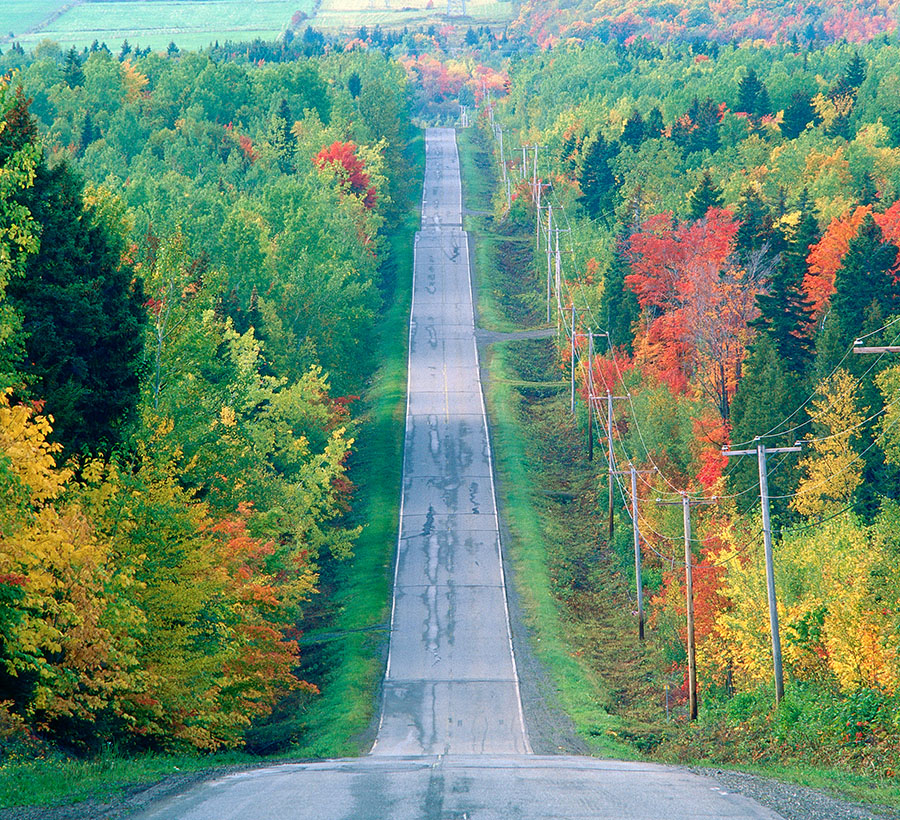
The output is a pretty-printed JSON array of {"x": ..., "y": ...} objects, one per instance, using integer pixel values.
[{"x": 724, "y": 20}]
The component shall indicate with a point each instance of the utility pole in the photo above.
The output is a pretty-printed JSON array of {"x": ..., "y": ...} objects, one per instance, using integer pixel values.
[
  {"x": 590, "y": 403},
  {"x": 761, "y": 451},
  {"x": 572, "y": 351},
  {"x": 549, "y": 257},
  {"x": 637, "y": 543},
  {"x": 611, "y": 456},
  {"x": 686, "y": 502},
  {"x": 559, "y": 307}
]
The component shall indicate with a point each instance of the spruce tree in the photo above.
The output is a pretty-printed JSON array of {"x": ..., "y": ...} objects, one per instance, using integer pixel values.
[
  {"x": 597, "y": 181},
  {"x": 757, "y": 229},
  {"x": 784, "y": 309},
  {"x": 619, "y": 307},
  {"x": 855, "y": 73},
  {"x": 654, "y": 124},
  {"x": 633, "y": 133},
  {"x": 705, "y": 196},
  {"x": 798, "y": 114},
  {"x": 864, "y": 281},
  {"x": 753, "y": 97},
  {"x": 769, "y": 392},
  {"x": 72, "y": 72},
  {"x": 83, "y": 315}
]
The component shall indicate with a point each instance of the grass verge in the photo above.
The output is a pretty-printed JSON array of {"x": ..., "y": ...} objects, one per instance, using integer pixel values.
[{"x": 340, "y": 721}]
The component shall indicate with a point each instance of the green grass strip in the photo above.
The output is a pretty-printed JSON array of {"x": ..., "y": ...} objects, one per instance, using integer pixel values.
[{"x": 581, "y": 694}]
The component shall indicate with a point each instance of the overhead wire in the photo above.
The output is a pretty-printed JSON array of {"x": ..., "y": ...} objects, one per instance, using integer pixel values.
[{"x": 777, "y": 430}]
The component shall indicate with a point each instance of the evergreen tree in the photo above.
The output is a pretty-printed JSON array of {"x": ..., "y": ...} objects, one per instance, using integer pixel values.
[
  {"x": 654, "y": 124},
  {"x": 798, "y": 114},
  {"x": 596, "y": 179},
  {"x": 72, "y": 72},
  {"x": 757, "y": 231},
  {"x": 633, "y": 133},
  {"x": 784, "y": 310},
  {"x": 769, "y": 392},
  {"x": 753, "y": 96},
  {"x": 705, "y": 196},
  {"x": 619, "y": 307},
  {"x": 855, "y": 73},
  {"x": 354, "y": 84},
  {"x": 83, "y": 316},
  {"x": 125, "y": 51},
  {"x": 864, "y": 282}
]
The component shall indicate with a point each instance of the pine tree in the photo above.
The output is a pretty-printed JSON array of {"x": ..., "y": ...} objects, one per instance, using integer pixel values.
[
  {"x": 864, "y": 281},
  {"x": 633, "y": 133},
  {"x": 72, "y": 72},
  {"x": 596, "y": 179},
  {"x": 753, "y": 96},
  {"x": 705, "y": 196}
]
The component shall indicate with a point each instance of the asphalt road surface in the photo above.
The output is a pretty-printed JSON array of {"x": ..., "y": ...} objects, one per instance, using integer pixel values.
[{"x": 452, "y": 744}]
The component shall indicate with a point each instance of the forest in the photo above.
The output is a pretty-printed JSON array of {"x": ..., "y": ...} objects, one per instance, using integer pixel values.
[
  {"x": 724, "y": 219},
  {"x": 192, "y": 268},
  {"x": 195, "y": 259}
]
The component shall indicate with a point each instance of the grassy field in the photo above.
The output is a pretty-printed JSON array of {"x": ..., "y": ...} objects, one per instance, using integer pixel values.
[
  {"x": 349, "y": 14},
  {"x": 192, "y": 24},
  {"x": 156, "y": 23},
  {"x": 17, "y": 16}
]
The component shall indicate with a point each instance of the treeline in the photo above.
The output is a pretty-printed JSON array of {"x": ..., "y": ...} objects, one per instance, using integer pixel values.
[
  {"x": 762, "y": 22},
  {"x": 731, "y": 221},
  {"x": 191, "y": 272}
]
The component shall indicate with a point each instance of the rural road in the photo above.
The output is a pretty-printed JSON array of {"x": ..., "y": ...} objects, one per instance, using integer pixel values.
[{"x": 452, "y": 744}]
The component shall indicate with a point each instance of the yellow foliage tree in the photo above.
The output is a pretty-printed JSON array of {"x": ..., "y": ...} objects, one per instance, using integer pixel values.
[{"x": 833, "y": 471}]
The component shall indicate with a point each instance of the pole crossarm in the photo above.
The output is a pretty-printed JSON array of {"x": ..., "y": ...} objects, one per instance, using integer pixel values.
[{"x": 882, "y": 349}]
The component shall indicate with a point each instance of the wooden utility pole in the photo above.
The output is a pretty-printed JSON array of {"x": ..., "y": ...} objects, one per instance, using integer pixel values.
[
  {"x": 611, "y": 455},
  {"x": 549, "y": 258},
  {"x": 559, "y": 307},
  {"x": 572, "y": 352},
  {"x": 590, "y": 402},
  {"x": 686, "y": 502},
  {"x": 631, "y": 471},
  {"x": 761, "y": 451}
]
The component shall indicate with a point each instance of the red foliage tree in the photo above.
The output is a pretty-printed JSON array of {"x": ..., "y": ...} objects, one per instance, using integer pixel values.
[
  {"x": 696, "y": 302},
  {"x": 342, "y": 158}
]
